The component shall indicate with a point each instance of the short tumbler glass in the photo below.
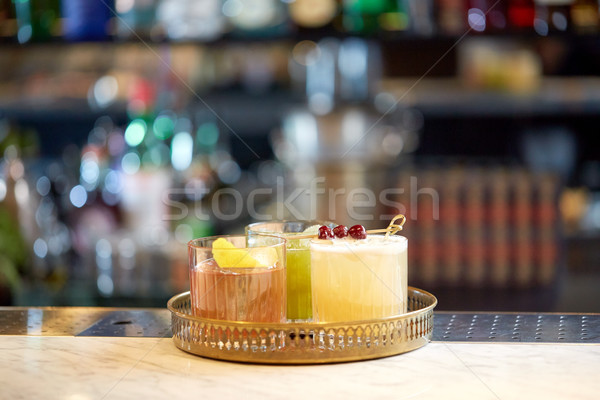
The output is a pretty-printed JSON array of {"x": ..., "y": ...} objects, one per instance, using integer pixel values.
[{"x": 241, "y": 278}]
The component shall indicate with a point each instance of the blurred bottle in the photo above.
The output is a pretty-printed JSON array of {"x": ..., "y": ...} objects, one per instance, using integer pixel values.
[
  {"x": 339, "y": 80},
  {"x": 4, "y": 9},
  {"x": 15, "y": 211},
  {"x": 256, "y": 18},
  {"x": 546, "y": 227},
  {"x": 191, "y": 19},
  {"x": 8, "y": 23},
  {"x": 86, "y": 19},
  {"x": 145, "y": 179},
  {"x": 422, "y": 21},
  {"x": 135, "y": 18},
  {"x": 37, "y": 20},
  {"x": 499, "y": 227},
  {"x": 474, "y": 225},
  {"x": 452, "y": 17},
  {"x": 522, "y": 234},
  {"x": 521, "y": 14},
  {"x": 450, "y": 220},
  {"x": 552, "y": 15},
  {"x": 313, "y": 14},
  {"x": 584, "y": 14},
  {"x": 370, "y": 16}
]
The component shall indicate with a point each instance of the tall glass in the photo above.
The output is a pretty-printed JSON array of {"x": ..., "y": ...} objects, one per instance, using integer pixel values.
[
  {"x": 299, "y": 300},
  {"x": 238, "y": 278},
  {"x": 359, "y": 279}
]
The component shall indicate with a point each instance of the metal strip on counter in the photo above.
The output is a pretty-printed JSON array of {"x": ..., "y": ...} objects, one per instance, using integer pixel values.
[
  {"x": 448, "y": 327},
  {"x": 514, "y": 327},
  {"x": 49, "y": 321},
  {"x": 132, "y": 323}
]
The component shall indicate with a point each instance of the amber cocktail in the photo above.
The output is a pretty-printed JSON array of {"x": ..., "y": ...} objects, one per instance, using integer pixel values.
[{"x": 238, "y": 278}]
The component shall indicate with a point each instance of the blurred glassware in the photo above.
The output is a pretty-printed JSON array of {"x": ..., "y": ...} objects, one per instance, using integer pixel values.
[
  {"x": 339, "y": 81},
  {"x": 127, "y": 271},
  {"x": 256, "y": 18},
  {"x": 38, "y": 194},
  {"x": 487, "y": 15},
  {"x": 135, "y": 18},
  {"x": 551, "y": 149},
  {"x": 552, "y": 16},
  {"x": 590, "y": 222},
  {"x": 191, "y": 19},
  {"x": 422, "y": 19},
  {"x": 337, "y": 139}
]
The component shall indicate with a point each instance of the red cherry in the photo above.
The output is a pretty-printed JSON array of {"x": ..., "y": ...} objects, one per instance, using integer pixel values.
[
  {"x": 325, "y": 232},
  {"x": 340, "y": 231},
  {"x": 357, "y": 232}
]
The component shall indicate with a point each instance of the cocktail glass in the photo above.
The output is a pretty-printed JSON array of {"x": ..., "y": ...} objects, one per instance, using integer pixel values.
[
  {"x": 299, "y": 303},
  {"x": 359, "y": 279},
  {"x": 241, "y": 278}
]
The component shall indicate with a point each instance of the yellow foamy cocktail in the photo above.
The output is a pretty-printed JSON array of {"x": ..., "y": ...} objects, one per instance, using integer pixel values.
[{"x": 359, "y": 279}]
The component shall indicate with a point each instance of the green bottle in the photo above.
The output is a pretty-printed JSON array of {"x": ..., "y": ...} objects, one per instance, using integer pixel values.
[{"x": 371, "y": 16}]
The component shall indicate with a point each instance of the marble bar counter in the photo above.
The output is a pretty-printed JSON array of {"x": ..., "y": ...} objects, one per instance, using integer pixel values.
[{"x": 100, "y": 353}]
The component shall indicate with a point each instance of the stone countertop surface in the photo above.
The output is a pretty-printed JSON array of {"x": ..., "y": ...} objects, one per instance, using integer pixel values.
[{"x": 86, "y": 368}]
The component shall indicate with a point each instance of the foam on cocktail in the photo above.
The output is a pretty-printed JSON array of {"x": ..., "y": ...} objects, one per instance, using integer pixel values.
[{"x": 371, "y": 243}]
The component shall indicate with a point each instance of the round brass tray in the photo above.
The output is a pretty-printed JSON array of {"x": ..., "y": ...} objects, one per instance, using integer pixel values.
[{"x": 303, "y": 342}]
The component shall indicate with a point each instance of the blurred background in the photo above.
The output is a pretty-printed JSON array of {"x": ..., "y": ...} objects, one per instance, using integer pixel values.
[{"x": 128, "y": 127}]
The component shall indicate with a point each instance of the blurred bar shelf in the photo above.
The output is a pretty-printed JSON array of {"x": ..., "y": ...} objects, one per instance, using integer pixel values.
[
  {"x": 449, "y": 97},
  {"x": 441, "y": 97}
]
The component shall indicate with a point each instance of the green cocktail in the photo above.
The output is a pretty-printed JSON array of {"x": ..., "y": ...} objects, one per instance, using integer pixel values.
[{"x": 298, "y": 280}]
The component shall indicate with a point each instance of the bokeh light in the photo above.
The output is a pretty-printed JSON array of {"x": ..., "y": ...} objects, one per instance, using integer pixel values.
[
  {"x": 135, "y": 132},
  {"x": 130, "y": 163},
  {"x": 182, "y": 151},
  {"x": 78, "y": 196}
]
